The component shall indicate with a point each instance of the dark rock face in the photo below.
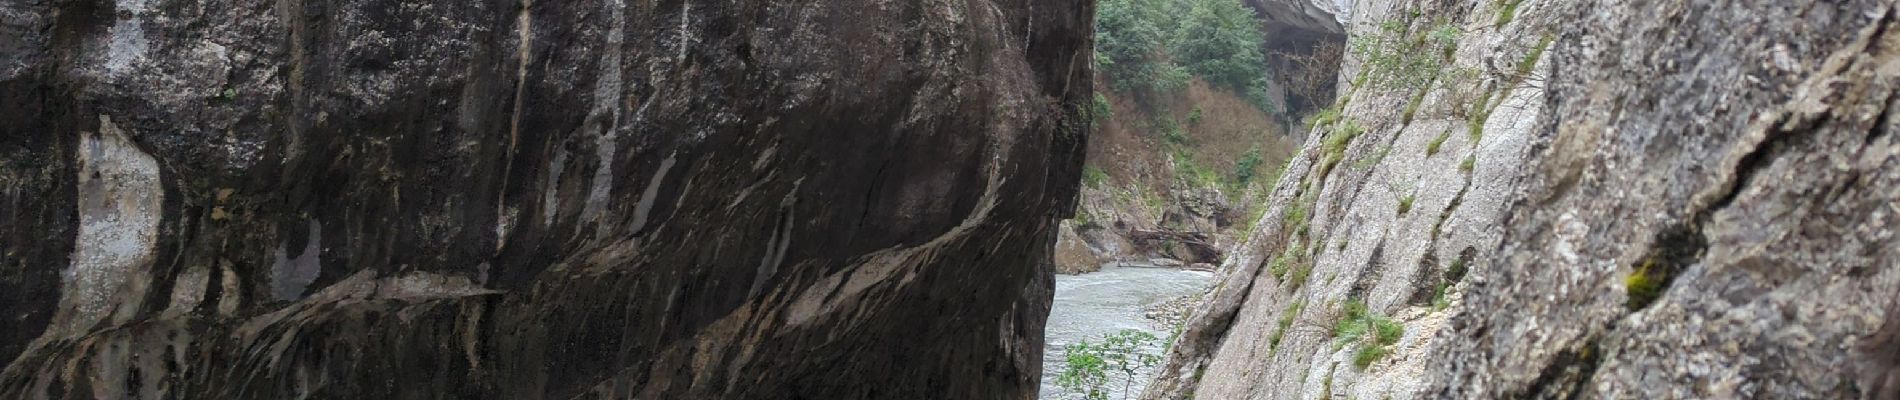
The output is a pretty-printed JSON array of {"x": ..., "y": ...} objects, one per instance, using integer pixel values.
[{"x": 500, "y": 199}]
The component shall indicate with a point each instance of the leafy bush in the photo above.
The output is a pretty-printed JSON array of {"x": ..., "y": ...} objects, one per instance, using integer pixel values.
[
  {"x": 1088, "y": 366},
  {"x": 1171, "y": 131}
]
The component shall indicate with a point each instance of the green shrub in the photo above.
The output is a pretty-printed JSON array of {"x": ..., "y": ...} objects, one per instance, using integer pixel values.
[
  {"x": 1171, "y": 131},
  {"x": 1102, "y": 111},
  {"x": 1470, "y": 162},
  {"x": 1405, "y": 203},
  {"x": 1093, "y": 177},
  {"x": 1194, "y": 117},
  {"x": 1246, "y": 167},
  {"x": 1088, "y": 367}
]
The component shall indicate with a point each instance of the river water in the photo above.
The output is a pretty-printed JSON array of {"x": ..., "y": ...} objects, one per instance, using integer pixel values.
[{"x": 1090, "y": 306}]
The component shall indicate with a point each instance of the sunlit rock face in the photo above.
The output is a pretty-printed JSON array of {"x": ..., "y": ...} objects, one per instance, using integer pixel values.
[
  {"x": 520, "y": 200},
  {"x": 1594, "y": 199}
]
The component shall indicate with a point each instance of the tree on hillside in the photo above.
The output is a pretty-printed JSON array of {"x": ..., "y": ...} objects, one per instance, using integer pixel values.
[
  {"x": 1220, "y": 42},
  {"x": 1131, "y": 38}
]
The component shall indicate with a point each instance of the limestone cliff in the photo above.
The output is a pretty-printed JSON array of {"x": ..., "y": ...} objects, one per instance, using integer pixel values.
[
  {"x": 533, "y": 199},
  {"x": 1591, "y": 198}
]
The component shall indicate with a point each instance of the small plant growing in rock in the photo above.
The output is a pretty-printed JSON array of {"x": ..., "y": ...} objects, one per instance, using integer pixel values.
[
  {"x": 1194, "y": 117},
  {"x": 1101, "y": 111},
  {"x": 1405, "y": 203},
  {"x": 1431, "y": 149},
  {"x": 1287, "y": 316},
  {"x": 1440, "y": 300},
  {"x": 1297, "y": 277},
  {"x": 1326, "y": 116},
  {"x": 1470, "y": 162},
  {"x": 1284, "y": 261},
  {"x": 1643, "y": 286},
  {"x": 1507, "y": 9}
]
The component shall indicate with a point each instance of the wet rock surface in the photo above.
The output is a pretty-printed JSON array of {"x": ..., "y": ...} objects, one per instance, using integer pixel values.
[{"x": 533, "y": 199}]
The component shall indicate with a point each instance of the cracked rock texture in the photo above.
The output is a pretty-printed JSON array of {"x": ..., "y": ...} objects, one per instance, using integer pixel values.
[
  {"x": 1737, "y": 156},
  {"x": 533, "y": 199}
]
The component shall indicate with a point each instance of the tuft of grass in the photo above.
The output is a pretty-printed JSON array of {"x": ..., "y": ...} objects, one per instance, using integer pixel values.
[
  {"x": 1374, "y": 333},
  {"x": 1411, "y": 107},
  {"x": 1469, "y": 162},
  {"x": 1431, "y": 149},
  {"x": 1386, "y": 331},
  {"x": 1298, "y": 276},
  {"x": 1457, "y": 270},
  {"x": 1326, "y": 117},
  {"x": 1334, "y": 148},
  {"x": 1373, "y": 159},
  {"x": 1507, "y": 10},
  {"x": 1285, "y": 260},
  {"x": 1352, "y": 321},
  {"x": 1286, "y": 321},
  {"x": 1405, "y": 203},
  {"x": 1440, "y": 299},
  {"x": 1368, "y": 355},
  {"x": 1529, "y": 61}
]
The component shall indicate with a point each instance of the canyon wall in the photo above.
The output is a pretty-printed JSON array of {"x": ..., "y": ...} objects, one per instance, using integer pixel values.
[
  {"x": 1592, "y": 198},
  {"x": 533, "y": 199}
]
